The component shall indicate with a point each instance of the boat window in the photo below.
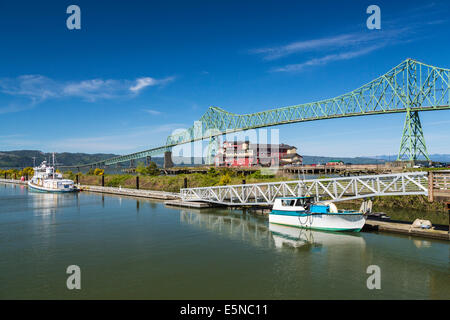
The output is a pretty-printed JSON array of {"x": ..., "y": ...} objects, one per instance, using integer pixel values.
[
  {"x": 288, "y": 202},
  {"x": 299, "y": 203}
]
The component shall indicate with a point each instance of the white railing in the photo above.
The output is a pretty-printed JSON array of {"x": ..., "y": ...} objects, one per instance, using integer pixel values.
[{"x": 334, "y": 189}]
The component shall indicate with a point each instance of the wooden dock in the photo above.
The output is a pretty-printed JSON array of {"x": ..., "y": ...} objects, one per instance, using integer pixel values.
[
  {"x": 440, "y": 232},
  {"x": 150, "y": 194},
  {"x": 191, "y": 204}
]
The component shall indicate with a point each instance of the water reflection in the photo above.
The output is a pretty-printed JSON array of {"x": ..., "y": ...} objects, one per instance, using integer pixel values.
[
  {"x": 298, "y": 238},
  {"x": 257, "y": 231},
  {"x": 44, "y": 204},
  {"x": 234, "y": 225}
]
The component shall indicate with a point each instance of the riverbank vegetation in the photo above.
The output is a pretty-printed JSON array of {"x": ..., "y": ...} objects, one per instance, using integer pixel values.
[
  {"x": 16, "y": 173},
  {"x": 150, "y": 179},
  {"x": 405, "y": 208}
]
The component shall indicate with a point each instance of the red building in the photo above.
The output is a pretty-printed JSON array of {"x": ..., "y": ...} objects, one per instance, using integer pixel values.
[{"x": 245, "y": 154}]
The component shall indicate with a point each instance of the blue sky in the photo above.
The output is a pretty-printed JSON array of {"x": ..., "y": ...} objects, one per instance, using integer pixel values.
[{"x": 137, "y": 70}]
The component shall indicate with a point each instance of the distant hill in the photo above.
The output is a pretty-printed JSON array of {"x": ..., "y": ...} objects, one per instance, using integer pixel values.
[{"x": 24, "y": 158}]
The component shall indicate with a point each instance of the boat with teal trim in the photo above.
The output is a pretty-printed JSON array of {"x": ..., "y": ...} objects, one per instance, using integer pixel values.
[
  {"x": 46, "y": 179},
  {"x": 305, "y": 212}
]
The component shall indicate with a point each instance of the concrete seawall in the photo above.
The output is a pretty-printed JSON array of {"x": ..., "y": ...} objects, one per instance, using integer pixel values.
[{"x": 13, "y": 181}]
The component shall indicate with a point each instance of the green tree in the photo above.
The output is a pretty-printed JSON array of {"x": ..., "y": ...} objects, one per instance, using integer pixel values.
[
  {"x": 99, "y": 172},
  {"x": 150, "y": 170},
  {"x": 27, "y": 171},
  {"x": 225, "y": 179},
  {"x": 213, "y": 172}
]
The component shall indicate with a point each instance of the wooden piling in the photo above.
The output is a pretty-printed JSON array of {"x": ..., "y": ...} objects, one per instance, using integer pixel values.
[
  {"x": 103, "y": 180},
  {"x": 185, "y": 182},
  {"x": 430, "y": 187},
  {"x": 137, "y": 182}
]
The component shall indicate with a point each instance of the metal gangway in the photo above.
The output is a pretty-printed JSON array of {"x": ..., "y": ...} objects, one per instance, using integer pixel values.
[{"x": 333, "y": 189}]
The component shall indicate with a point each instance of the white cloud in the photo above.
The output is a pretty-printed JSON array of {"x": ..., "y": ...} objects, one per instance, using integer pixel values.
[
  {"x": 141, "y": 83},
  {"x": 39, "y": 87},
  {"x": 339, "y": 41},
  {"x": 152, "y": 112},
  {"x": 116, "y": 143},
  {"x": 326, "y": 59},
  {"x": 413, "y": 25}
]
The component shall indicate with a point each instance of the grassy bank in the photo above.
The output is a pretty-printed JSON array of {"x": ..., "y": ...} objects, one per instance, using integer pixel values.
[
  {"x": 405, "y": 208},
  {"x": 175, "y": 183}
]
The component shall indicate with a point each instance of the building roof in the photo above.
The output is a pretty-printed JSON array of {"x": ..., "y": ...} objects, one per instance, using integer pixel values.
[{"x": 261, "y": 145}]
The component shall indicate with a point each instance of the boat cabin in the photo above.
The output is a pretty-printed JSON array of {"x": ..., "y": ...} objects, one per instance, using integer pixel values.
[{"x": 293, "y": 203}]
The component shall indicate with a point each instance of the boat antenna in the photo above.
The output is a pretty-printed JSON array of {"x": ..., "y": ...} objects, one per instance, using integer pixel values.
[
  {"x": 53, "y": 155},
  {"x": 34, "y": 161}
]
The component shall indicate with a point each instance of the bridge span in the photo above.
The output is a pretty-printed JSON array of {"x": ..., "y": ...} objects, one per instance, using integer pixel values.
[
  {"x": 410, "y": 87},
  {"x": 333, "y": 189}
]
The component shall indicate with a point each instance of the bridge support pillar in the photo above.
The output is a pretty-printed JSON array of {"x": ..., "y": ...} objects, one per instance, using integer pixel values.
[
  {"x": 148, "y": 159},
  {"x": 412, "y": 145},
  {"x": 131, "y": 163},
  {"x": 213, "y": 147},
  {"x": 168, "y": 159}
]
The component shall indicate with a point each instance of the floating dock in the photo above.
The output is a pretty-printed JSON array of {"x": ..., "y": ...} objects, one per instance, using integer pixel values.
[
  {"x": 184, "y": 204},
  {"x": 406, "y": 228}
]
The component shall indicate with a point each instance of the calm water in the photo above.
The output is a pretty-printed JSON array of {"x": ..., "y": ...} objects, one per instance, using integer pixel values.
[{"x": 143, "y": 250}]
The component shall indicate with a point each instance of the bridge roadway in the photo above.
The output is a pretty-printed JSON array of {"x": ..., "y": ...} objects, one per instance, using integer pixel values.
[{"x": 333, "y": 189}]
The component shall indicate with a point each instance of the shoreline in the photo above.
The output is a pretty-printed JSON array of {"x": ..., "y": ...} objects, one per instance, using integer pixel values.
[{"x": 173, "y": 199}]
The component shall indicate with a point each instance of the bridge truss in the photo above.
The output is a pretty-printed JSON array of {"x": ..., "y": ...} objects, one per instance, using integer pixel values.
[
  {"x": 333, "y": 189},
  {"x": 408, "y": 88}
]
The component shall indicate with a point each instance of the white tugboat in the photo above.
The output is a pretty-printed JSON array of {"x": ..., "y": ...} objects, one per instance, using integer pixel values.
[
  {"x": 46, "y": 179},
  {"x": 303, "y": 212}
]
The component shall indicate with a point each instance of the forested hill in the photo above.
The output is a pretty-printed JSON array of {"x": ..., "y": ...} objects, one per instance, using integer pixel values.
[{"x": 24, "y": 158}]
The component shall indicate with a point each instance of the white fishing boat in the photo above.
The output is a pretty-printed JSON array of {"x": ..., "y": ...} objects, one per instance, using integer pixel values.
[
  {"x": 46, "y": 179},
  {"x": 304, "y": 212}
]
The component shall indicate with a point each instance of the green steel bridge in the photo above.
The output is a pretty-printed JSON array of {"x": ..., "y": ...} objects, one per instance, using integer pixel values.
[{"x": 410, "y": 87}]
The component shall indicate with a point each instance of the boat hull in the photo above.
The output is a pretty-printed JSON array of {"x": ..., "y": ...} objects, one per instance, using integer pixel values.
[
  {"x": 319, "y": 221},
  {"x": 35, "y": 187}
]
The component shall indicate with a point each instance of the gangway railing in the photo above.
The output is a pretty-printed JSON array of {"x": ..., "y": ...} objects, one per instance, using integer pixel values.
[{"x": 333, "y": 189}]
